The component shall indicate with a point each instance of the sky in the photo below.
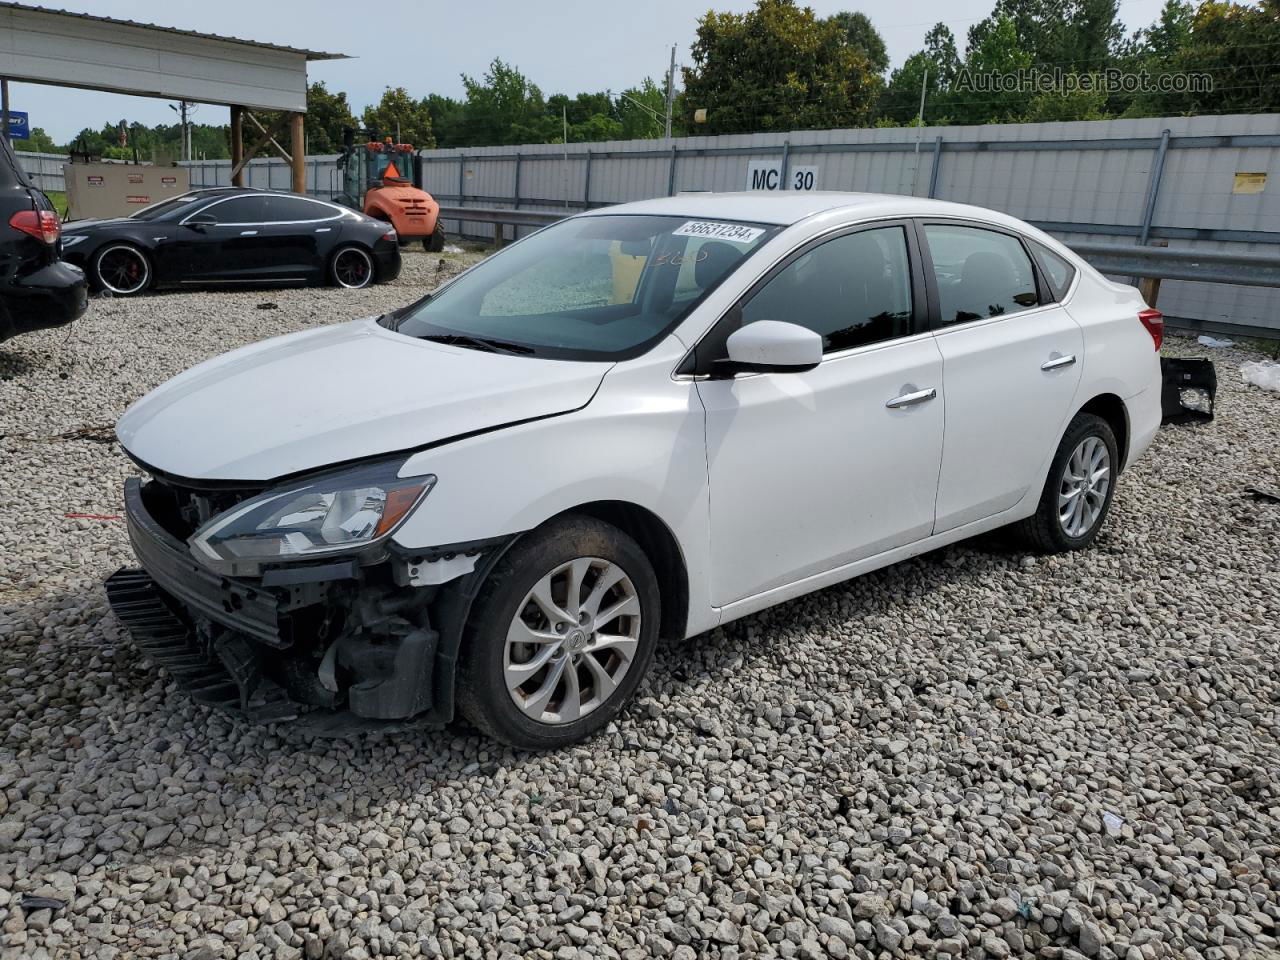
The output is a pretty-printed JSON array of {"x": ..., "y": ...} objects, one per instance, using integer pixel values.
[{"x": 565, "y": 47}]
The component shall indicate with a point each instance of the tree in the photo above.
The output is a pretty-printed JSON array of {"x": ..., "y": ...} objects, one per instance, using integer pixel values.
[
  {"x": 327, "y": 115},
  {"x": 504, "y": 106},
  {"x": 641, "y": 110},
  {"x": 998, "y": 54},
  {"x": 39, "y": 142},
  {"x": 399, "y": 116},
  {"x": 447, "y": 119},
  {"x": 934, "y": 68},
  {"x": 777, "y": 67},
  {"x": 862, "y": 35}
]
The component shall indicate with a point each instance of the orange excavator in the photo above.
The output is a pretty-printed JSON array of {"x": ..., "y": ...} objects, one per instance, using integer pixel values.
[{"x": 377, "y": 179}]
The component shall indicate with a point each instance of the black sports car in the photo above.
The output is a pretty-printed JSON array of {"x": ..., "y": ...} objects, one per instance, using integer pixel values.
[{"x": 233, "y": 235}]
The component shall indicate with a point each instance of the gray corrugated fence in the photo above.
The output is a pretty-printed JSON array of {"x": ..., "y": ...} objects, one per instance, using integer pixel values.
[
  {"x": 45, "y": 170},
  {"x": 1118, "y": 180}
]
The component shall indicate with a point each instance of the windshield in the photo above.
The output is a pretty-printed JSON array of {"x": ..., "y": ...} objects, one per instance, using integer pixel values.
[
  {"x": 165, "y": 207},
  {"x": 600, "y": 287}
]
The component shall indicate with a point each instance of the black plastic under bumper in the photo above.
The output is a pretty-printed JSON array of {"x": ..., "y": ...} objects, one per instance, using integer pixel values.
[{"x": 52, "y": 296}]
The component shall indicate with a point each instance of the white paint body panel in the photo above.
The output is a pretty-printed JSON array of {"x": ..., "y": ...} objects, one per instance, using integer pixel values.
[
  {"x": 811, "y": 470},
  {"x": 305, "y": 400},
  {"x": 1005, "y": 414},
  {"x": 772, "y": 485}
]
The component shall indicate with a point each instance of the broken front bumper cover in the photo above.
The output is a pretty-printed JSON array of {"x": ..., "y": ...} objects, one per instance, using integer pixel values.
[{"x": 250, "y": 647}]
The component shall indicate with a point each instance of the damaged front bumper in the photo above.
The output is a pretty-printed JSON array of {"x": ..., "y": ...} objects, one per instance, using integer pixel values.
[{"x": 338, "y": 643}]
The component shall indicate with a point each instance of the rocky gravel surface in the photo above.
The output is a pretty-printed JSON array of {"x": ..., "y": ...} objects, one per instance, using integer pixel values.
[{"x": 978, "y": 753}]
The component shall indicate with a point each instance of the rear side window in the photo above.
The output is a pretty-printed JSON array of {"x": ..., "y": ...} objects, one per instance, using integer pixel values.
[
  {"x": 980, "y": 273},
  {"x": 292, "y": 209},
  {"x": 1056, "y": 269},
  {"x": 854, "y": 290}
]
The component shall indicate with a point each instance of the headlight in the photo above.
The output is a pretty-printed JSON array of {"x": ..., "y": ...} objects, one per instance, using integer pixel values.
[
  {"x": 337, "y": 513},
  {"x": 71, "y": 240}
]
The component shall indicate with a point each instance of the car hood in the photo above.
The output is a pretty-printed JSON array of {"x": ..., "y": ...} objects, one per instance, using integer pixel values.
[{"x": 354, "y": 390}]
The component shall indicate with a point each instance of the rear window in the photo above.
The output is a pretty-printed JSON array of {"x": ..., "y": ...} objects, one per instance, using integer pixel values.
[{"x": 1058, "y": 271}]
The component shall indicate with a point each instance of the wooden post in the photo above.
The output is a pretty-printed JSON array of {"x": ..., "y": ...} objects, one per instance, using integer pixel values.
[
  {"x": 237, "y": 147},
  {"x": 1149, "y": 287},
  {"x": 298, "y": 151}
]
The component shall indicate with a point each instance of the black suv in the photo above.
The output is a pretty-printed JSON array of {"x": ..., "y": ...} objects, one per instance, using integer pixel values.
[{"x": 36, "y": 288}]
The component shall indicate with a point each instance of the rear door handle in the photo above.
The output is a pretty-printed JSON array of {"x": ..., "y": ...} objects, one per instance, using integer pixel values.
[
  {"x": 911, "y": 399},
  {"x": 248, "y": 233},
  {"x": 1057, "y": 362}
]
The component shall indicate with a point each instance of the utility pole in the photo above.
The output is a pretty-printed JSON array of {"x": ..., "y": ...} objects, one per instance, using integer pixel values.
[
  {"x": 671, "y": 91},
  {"x": 4, "y": 108},
  {"x": 564, "y": 116},
  {"x": 915, "y": 172},
  {"x": 181, "y": 109}
]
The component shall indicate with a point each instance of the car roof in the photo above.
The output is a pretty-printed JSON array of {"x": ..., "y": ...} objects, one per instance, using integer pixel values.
[{"x": 788, "y": 206}]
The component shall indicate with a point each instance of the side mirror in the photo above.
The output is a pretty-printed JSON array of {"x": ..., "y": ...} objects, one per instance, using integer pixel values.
[
  {"x": 770, "y": 346},
  {"x": 198, "y": 221}
]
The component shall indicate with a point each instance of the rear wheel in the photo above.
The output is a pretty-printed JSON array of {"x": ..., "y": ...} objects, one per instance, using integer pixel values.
[
  {"x": 563, "y": 632},
  {"x": 122, "y": 269},
  {"x": 435, "y": 242},
  {"x": 352, "y": 268},
  {"x": 1077, "y": 494}
]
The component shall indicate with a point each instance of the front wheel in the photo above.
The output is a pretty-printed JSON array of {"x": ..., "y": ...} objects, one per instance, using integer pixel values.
[
  {"x": 435, "y": 242},
  {"x": 351, "y": 267},
  {"x": 562, "y": 634},
  {"x": 1077, "y": 494},
  {"x": 121, "y": 269}
]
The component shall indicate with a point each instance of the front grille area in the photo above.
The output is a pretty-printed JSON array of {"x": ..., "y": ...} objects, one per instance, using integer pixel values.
[{"x": 182, "y": 510}]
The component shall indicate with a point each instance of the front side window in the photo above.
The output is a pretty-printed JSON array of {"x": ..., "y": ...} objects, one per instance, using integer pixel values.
[
  {"x": 853, "y": 291},
  {"x": 166, "y": 208},
  {"x": 597, "y": 287},
  {"x": 980, "y": 273}
]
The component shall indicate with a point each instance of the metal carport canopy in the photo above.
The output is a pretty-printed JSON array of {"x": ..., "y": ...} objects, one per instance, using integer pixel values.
[{"x": 41, "y": 45}]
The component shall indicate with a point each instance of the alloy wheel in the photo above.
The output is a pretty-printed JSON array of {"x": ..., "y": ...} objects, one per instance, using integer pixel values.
[
  {"x": 572, "y": 640},
  {"x": 352, "y": 268},
  {"x": 1085, "y": 482},
  {"x": 123, "y": 270}
]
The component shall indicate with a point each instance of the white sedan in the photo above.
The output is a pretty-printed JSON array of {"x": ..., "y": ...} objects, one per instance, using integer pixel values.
[{"x": 644, "y": 420}]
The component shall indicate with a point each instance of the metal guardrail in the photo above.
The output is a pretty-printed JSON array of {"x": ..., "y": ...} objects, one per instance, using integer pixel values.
[
  {"x": 1151, "y": 263},
  {"x": 1205, "y": 266},
  {"x": 519, "y": 218}
]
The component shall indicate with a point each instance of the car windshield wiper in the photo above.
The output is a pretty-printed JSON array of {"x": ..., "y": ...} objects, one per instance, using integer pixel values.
[{"x": 478, "y": 343}]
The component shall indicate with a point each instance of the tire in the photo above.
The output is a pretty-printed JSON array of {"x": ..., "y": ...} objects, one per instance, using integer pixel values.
[
  {"x": 351, "y": 267},
  {"x": 539, "y": 712},
  {"x": 435, "y": 242},
  {"x": 122, "y": 269},
  {"x": 1071, "y": 511}
]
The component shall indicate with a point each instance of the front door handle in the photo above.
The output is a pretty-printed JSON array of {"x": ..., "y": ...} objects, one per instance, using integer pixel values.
[
  {"x": 1057, "y": 362},
  {"x": 248, "y": 233},
  {"x": 911, "y": 399}
]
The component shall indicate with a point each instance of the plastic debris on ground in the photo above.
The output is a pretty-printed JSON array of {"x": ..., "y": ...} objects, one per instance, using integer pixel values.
[
  {"x": 1113, "y": 822},
  {"x": 1206, "y": 341},
  {"x": 1262, "y": 374}
]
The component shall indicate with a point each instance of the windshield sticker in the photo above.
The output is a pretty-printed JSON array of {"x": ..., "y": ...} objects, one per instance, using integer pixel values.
[{"x": 711, "y": 230}]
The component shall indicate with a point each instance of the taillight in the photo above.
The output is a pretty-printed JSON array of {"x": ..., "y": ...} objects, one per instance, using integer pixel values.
[
  {"x": 41, "y": 224},
  {"x": 1153, "y": 320}
]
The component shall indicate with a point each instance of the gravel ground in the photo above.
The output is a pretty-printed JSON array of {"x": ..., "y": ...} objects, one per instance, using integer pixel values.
[{"x": 976, "y": 753}]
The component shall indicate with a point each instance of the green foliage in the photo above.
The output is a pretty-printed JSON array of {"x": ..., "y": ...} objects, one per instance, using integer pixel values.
[
  {"x": 38, "y": 142},
  {"x": 777, "y": 67},
  {"x": 641, "y": 111},
  {"x": 446, "y": 120},
  {"x": 503, "y": 107},
  {"x": 862, "y": 35},
  {"x": 327, "y": 115},
  {"x": 399, "y": 116}
]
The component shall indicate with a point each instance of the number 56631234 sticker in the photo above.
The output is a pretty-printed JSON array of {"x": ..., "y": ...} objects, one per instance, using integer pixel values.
[{"x": 712, "y": 230}]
